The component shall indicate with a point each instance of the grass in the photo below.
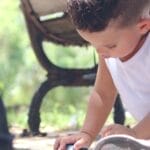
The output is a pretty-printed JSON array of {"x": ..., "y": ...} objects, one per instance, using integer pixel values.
[{"x": 56, "y": 120}]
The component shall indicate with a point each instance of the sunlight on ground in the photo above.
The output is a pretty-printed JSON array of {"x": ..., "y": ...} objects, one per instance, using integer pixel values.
[{"x": 46, "y": 143}]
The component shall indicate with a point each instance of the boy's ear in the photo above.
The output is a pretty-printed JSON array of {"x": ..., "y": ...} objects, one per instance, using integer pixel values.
[{"x": 144, "y": 26}]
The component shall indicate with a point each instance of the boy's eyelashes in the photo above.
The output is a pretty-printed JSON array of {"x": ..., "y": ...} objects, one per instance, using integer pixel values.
[
  {"x": 106, "y": 48},
  {"x": 111, "y": 46}
]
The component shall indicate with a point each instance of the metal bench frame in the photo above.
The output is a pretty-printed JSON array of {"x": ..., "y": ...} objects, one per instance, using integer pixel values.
[
  {"x": 56, "y": 76},
  {"x": 5, "y": 137}
]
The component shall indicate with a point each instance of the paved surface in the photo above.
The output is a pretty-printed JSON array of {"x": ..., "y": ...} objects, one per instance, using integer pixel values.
[
  {"x": 34, "y": 143},
  {"x": 37, "y": 143}
]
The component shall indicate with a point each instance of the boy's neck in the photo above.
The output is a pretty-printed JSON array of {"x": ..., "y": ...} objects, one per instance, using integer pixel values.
[{"x": 136, "y": 49}]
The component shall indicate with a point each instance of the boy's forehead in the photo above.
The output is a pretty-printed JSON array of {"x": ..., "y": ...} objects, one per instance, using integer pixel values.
[{"x": 108, "y": 35}]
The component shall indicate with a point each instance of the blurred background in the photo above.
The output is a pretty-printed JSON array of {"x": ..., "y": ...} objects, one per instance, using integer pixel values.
[{"x": 21, "y": 75}]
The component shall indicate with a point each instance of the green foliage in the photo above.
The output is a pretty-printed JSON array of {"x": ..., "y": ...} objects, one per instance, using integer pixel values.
[
  {"x": 71, "y": 57},
  {"x": 66, "y": 106},
  {"x": 11, "y": 40},
  {"x": 21, "y": 74}
]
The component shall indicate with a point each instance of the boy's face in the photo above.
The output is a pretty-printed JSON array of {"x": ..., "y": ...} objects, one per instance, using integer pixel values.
[{"x": 115, "y": 42}]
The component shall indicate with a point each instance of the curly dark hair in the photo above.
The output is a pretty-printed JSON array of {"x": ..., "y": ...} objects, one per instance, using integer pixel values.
[{"x": 95, "y": 15}]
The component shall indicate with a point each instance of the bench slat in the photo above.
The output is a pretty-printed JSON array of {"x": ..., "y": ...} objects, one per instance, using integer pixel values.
[{"x": 45, "y": 7}]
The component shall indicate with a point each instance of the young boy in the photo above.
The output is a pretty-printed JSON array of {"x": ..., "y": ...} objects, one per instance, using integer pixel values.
[{"x": 119, "y": 30}]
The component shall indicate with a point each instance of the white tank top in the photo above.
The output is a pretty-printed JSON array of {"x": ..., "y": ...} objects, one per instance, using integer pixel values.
[{"x": 132, "y": 80}]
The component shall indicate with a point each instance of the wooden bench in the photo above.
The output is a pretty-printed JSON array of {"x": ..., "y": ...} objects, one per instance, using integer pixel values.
[{"x": 49, "y": 21}]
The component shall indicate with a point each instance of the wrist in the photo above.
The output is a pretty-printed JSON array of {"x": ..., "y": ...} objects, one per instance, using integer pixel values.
[
  {"x": 87, "y": 133},
  {"x": 135, "y": 133}
]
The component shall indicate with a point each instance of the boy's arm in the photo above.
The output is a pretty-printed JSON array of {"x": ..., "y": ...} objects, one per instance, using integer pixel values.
[
  {"x": 100, "y": 102},
  {"x": 99, "y": 106},
  {"x": 142, "y": 129}
]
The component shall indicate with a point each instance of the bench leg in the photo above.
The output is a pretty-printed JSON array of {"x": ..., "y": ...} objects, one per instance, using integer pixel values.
[
  {"x": 5, "y": 137},
  {"x": 34, "y": 119},
  {"x": 119, "y": 113},
  {"x": 34, "y": 111}
]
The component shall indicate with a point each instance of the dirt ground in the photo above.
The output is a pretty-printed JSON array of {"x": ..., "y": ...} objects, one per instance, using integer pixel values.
[
  {"x": 36, "y": 143},
  {"x": 33, "y": 143}
]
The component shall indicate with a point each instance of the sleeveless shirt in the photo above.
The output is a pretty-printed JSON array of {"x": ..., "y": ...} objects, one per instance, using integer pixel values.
[{"x": 132, "y": 80}]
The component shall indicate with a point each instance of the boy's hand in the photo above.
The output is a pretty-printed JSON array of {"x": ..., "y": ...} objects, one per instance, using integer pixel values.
[
  {"x": 117, "y": 129},
  {"x": 79, "y": 140}
]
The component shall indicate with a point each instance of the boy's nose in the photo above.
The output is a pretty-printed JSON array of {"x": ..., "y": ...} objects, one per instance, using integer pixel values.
[{"x": 103, "y": 52}]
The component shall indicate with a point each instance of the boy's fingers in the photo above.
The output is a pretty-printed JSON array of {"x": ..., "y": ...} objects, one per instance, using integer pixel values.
[
  {"x": 78, "y": 141},
  {"x": 66, "y": 140},
  {"x": 80, "y": 144},
  {"x": 106, "y": 130},
  {"x": 57, "y": 144},
  {"x": 62, "y": 146}
]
